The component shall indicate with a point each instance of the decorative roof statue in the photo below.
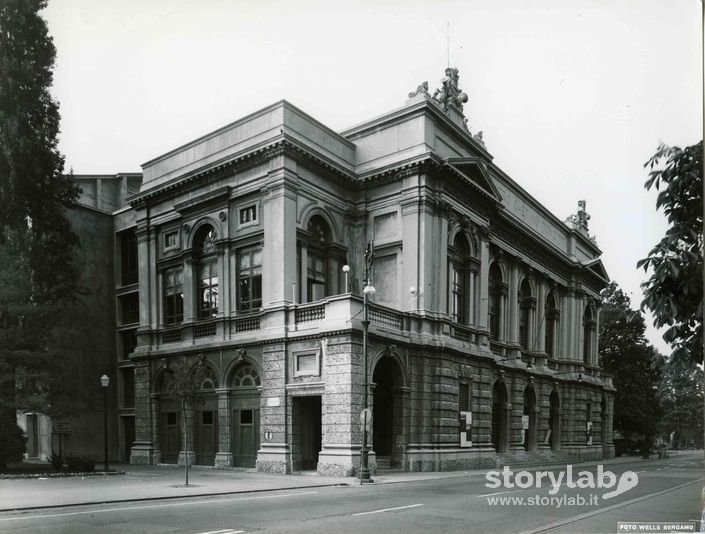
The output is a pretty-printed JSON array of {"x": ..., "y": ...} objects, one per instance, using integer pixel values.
[
  {"x": 450, "y": 94},
  {"x": 580, "y": 219},
  {"x": 422, "y": 89}
]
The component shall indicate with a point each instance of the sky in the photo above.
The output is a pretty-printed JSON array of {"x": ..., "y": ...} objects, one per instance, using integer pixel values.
[{"x": 572, "y": 97}]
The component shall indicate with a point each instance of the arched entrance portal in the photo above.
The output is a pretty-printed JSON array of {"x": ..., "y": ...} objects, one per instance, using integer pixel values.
[
  {"x": 528, "y": 421},
  {"x": 554, "y": 421},
  {"x": 499, "y": 416},
  {"x": 245, "y": 402},
  {"x": 387, "y": 405}
]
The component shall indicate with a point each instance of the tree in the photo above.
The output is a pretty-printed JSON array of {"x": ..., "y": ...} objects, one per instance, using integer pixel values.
[
  {"x": 183, "y": 383},
  {"x": 681, "y": 396},
  {"x": 625, "y": 354},
  {"x": 37, "y": 244},
  {"x": 674, "y": 291}
]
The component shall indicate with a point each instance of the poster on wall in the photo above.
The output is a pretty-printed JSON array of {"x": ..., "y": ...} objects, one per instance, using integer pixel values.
[{"x": 466, "y": 429}]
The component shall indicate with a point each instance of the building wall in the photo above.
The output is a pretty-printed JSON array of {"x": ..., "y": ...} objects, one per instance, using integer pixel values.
[{"x": 319, "y": 199}]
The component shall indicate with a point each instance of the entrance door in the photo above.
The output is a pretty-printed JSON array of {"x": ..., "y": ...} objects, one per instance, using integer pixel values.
[
  {"x": 307, "y": 429},
  {"x": 129, "y": 435},
  {"x": 245, "y": 403},
  {"x": 387, "y": 409},
  {"x": 206, "y": 437},
  {"x": 245, "y": 437},
  {"x": 170, "y": 437},
  {"x": 499, "y": 417},
  {"x": 32, "y": 435}
]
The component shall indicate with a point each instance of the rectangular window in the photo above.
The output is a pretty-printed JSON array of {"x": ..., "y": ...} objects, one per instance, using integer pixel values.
[
  {"x": 171, "y": 418},
  {"x": 171, "y": 240},
  {"x": 316, "y": 277},
  {"x": 207, "y": 418},
  {"x": 457, "y": 295},
  {"x": 248, "y": 215},
  {"x": 128, "y": 340},
  {"x": 306, "y": 364},
  {"x": 246, "y": 417},
  {"x": 208, "y": 301},
  {"x": 173, "y": 296},
  {"x": 128, "y": 257},
  {"x": 249, "y": 268},
  {"x": 464, "y": 397},
  {"x": 129, "y": 308},
  {"x": 128, "y": 388}
]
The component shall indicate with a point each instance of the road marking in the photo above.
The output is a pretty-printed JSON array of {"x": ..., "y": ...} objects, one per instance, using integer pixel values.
[
  {"x": 224, "y": 531},
  {"x": 164, "y": 505},
  {"x": 388, "y": 509},
  {"x": 580, "y": 517}
]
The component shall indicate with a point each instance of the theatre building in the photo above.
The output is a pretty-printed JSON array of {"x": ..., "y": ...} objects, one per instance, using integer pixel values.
[{"x": 243, "y": 254}]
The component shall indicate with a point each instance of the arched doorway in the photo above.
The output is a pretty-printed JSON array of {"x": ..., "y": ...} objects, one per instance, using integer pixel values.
[
  {"x": 499, "y": 416},
  {"x": 528, "y": 421},
  {"x": 554, "y": 421},
  {"x": 245, "y": 405},
  {"x": 387, "y": 405},
  {"x": 170, "y": 423},
  {"x": 205, "y": 419}
]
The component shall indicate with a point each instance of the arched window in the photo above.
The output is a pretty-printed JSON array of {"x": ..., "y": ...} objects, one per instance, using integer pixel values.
[
  {"x": 526, "y": 303},
  {"x": 320, "y": 272},
  {"x": 461, "y": 290},
  {"x": 588, "y": 333},
  {"x": 246, "y": 376},
  {"x": 207, "y": 272},
  {"x": 494, "y": 310},
  {"x": 551, "y": 319}
]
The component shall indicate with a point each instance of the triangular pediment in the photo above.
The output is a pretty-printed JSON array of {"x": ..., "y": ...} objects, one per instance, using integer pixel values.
[
  {"x": 474, "y": 172},
  {"x": 597, "y": 267}
]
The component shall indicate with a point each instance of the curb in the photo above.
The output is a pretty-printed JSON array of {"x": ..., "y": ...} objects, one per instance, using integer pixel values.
[{"x": 163, "y": 498}]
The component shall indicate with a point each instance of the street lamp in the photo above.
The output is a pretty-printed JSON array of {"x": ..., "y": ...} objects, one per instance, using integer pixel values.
[
  {"x": 105, "y": 381},
  {"x": 366, "y": 292}
]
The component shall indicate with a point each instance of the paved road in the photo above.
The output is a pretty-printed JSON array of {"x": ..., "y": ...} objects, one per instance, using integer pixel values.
[{"x": 667, "y": 490}]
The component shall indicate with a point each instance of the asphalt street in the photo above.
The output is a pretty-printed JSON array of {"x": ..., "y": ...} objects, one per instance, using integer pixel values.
[{"x": 667, "y": 490}]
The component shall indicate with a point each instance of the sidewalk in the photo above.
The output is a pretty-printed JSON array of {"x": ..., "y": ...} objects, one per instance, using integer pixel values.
[{"x": 167, "y": 482}]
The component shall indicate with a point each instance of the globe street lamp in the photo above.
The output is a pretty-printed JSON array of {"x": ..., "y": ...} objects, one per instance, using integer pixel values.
[
  {"x": 105, "y": 381},
  {"x": 366, "y": 292}
]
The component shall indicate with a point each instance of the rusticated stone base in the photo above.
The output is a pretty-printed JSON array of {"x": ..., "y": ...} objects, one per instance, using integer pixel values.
[
  {"x": 451, "y": 459},
  {"x": 223, "y": 460},
  {"x": 143, "y": 454},
  {"x": 271, "y": 466}
]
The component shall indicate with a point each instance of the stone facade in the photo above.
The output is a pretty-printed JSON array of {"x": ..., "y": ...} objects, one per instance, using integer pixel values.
[{"x": 250, "y": 250}]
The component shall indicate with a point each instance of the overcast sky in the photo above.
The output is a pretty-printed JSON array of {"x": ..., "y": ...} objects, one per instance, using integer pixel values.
[{"x": 572, "y": 96}]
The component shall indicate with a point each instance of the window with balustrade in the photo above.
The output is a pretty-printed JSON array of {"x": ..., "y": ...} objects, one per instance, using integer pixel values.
[
  {"x": 588, "y": 333},
  {"x": 320, "y": 272},
  {"x": 551, "y": 320},
  {"x": 173, "y": 296},
  {"x": 249, "y": 279},
  {"x": 206, "y": 262},
  {"x": 462, "y": 279},
  {"x": 496, "y": 291}
]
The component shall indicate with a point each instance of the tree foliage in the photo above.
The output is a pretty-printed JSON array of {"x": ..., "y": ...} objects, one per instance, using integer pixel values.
[
  {"x": 626, "y": 355},
  {"x": 681, "y": 395},
  {"x": 674, "y": 291},
  {"x": 37, "y": 245}
]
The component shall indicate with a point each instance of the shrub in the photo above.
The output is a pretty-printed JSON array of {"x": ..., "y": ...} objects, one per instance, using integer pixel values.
[
  {"x": 56, "y": 461},
  {"x": 12, "y": 443},
  {"x": 82, "y": 464}
]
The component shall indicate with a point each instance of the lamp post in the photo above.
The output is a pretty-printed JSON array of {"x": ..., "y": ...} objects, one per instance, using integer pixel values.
[
  {"x": 105, "y": 381},
  {"x": 366, "y": 292}
]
